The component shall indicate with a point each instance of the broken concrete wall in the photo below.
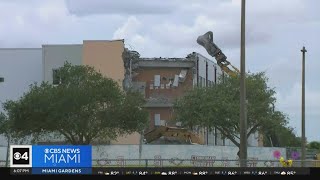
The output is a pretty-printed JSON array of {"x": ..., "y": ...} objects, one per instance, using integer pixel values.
[
  {"x": 130, "y": 61},
  {"x": 166, "y": 87}
]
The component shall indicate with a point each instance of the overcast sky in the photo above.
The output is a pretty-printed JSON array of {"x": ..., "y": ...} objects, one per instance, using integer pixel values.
[{"x": 276, "y": 30}]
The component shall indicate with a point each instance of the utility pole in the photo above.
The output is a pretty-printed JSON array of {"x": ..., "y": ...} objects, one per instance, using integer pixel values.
[
  {"x": 303, "y": 132},
  {"x": 8, "y": 150},
  {"x": 140, "y": 145},
  {"x": 243, "y": 118}
]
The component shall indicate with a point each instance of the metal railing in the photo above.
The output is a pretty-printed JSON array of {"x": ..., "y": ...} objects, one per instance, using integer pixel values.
[{"x": 175, "y": 162}]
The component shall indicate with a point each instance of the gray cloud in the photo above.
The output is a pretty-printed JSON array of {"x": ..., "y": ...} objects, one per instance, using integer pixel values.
[
  {"x": 44, "y": 22},
  {"x": 84, "y": 7},
  {"x": 289, "y": 101},
  {"x": 175, "y": 34}
]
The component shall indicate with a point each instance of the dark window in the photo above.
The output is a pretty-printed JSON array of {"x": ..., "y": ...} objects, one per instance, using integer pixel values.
[{"x": 56, "y": 79}]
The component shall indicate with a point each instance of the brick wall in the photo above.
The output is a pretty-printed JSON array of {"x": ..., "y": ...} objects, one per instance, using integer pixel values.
[{"x": 166, "y": 74}]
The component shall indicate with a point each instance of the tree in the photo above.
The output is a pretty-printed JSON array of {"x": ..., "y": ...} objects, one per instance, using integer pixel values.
[
  {"x": 84, "y": 107},
  {"x": 281, "y": 136},
  {"x": 219, "y": 107},
  {"x": 314, "y": 145}
]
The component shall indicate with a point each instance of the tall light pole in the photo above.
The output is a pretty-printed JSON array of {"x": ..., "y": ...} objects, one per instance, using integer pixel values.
[
  {"x": 243, "y": 118},
  {"x": 303, "y": 132}
]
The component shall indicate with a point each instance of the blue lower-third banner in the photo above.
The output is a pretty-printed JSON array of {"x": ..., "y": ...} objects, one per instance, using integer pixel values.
[{"x": 61, "y": 159}]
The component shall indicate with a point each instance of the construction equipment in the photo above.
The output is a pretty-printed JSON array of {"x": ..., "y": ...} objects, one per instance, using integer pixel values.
[
  {"x": 206, "y": 40},
  {"x": 176, "y": 133}
]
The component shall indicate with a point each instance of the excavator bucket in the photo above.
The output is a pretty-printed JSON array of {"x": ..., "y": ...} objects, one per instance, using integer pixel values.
[
  {"x": 206, "y": 41},
  {"x": 173, "y": 132}
]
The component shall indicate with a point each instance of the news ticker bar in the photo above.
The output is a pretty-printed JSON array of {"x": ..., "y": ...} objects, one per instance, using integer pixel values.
[{"x": 162, "y": 171}]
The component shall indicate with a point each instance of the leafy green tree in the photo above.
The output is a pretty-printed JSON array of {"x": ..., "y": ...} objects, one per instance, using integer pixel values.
[
  {"x": 314, "y": 145},
  {"x": 219, "y": 107},
  {"x": 281, "y": 136},
  {"x": 84, "y": 107}
]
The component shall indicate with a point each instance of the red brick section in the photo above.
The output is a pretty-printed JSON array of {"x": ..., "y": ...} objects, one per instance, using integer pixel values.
[
  {"x": 166, "y": 113},
  {"x": 147, "y": 75}
]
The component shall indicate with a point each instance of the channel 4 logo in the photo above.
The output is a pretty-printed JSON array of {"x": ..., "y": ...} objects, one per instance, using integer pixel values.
[{"x": 21, "y": 156}]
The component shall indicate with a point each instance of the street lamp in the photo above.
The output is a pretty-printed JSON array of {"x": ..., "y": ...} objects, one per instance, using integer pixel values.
[
  {"x": 303, "y": 132},
  {"x": 243, "y": 118}
]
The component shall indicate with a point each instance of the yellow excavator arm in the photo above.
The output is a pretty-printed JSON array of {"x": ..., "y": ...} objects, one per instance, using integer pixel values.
[{"x": 206, "y": 40}]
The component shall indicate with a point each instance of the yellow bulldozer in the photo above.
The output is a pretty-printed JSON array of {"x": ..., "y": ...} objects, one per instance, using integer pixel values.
[{"x": 177, "y": 133}]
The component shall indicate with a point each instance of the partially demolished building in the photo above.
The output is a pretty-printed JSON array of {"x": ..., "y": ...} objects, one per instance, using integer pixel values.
[{"x": 162, "y": 80}]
